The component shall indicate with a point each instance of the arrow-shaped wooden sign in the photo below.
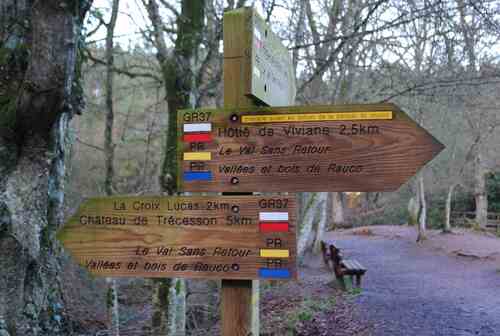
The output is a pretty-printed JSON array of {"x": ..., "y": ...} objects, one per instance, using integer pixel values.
[
  {"x": 218, "y": 237},
  {"x": 304, "y": 148}
]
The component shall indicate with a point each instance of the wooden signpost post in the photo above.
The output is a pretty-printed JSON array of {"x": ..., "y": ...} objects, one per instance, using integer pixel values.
[
  {"x": 244, "y": 148},
  {"x": 257, "y": 68},
  {"x": 207, "y": 237}
]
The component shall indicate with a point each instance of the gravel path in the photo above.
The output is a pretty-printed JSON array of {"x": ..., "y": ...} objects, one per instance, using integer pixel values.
[{"x": 409, "y": 290}]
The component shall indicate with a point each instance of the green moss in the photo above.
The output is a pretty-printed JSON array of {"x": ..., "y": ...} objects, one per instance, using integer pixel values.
[
  {"x": 45, "y": 237},
  {"x": 4, "y": 53},
  {"x": 110, "y": 297},
  {"x": 178, "y": 287},
  {"x": 7, "y": 111},
  {"x": 13, "y": 63}
]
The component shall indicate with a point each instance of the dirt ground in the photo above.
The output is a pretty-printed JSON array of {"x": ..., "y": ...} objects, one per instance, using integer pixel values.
[
  {"x": 313, "y": 305},
  {"x": 462, "y": 242},
  {"x": 448, "y": 285}
]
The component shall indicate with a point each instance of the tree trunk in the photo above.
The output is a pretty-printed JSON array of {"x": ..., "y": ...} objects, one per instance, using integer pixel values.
[
  {"x": 161, "y": 308},
  {"x": 109, "y": 147},
  {"x": 306, "y": 223},
  {"x": 447, "y": 221},
  {"x": 413, "y": 210},
  {"x": 109, "y": 152},
  {"x": 314, "y": 220},
  {"x": 337, "y": 209},
  {"x": 112, "y": 307},
  {"x": 324, "y": 212},
  {"x": 39, "y": 93},
  {"x": 422, "y": 218},
  {"x": 480, "y": 194},
  {"x": 178, "y": 71},
  {"x": 180, "y": 306}
]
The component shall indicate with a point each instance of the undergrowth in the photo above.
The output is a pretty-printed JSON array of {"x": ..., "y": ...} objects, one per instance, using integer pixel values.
[{"x": 307, "y": 311}]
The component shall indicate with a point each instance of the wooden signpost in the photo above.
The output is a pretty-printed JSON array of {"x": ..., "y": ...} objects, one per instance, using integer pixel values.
[
  {"x": 252, "y": 55},
  {"x": 246, "y": 237},
  {"x": 373, "y": 147},
  {"x": 243, "y": 148}
]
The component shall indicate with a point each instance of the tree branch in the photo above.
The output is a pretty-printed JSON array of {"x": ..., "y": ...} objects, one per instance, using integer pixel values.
[{"x": 121, "y": 71}]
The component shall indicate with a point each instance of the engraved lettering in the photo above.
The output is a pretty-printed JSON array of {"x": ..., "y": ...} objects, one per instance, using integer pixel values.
[
  {"x": 311, "y": 149},
  {"x": 306, "y": 131},
  {"x": 344, "y": 169},
  {"x": 236, "y": 169},
  {"x": 234, "y": 132},
  {"x": 102, "y": 265},
  {"x": 186, "y": 221},
  {"x": 102, "y": 220}
]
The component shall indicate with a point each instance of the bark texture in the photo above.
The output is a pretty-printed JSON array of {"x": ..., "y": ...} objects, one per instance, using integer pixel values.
[
  {"x": 480, "y": 192},
  {"x": 179, "y": 74},
  {"x": 109, "y": 147},
  {"x": 413, "y": 209},
  {"x": 39, "y": 93},
  {"x": 324, "y": 218},
  {"x": 169, "y": 307},
  {"x": 447, "y": 221},
  {"x": 313, "y": 222},
  {"x": 422, "y": 218}
]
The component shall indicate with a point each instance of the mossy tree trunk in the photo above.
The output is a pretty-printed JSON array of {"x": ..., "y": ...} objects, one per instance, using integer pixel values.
[
  {"x": 39, "y": 93},
  {"x": 179, "y": 68},
  {"x": 179, "y": 71}
]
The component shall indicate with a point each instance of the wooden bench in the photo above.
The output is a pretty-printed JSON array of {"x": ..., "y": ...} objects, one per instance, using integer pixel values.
[{"x": 334, "y": 261}]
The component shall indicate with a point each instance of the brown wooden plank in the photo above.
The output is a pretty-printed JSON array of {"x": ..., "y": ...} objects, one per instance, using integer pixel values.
[
  {"x": 238, "y": 313},
  {"x": 237, "y": 53},
  {"x": 195, "y": 237},
  {"x": 268, "y": 158}
]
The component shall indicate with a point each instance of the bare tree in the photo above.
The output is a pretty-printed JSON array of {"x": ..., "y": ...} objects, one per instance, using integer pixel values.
[
  {"x": 109, "y": 151},
  {"x": 179, "y": 70}
]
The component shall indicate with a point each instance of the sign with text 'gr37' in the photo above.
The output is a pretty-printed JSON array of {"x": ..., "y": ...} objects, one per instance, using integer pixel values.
[
  {"x": 305, "y": 148},
  {"x": 216, "y": 237}
]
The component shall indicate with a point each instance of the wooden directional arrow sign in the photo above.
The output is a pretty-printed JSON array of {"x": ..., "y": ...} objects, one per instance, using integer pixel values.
[
  {"x": 246, "y": 237},
  {"x": 307, "y": 148}
]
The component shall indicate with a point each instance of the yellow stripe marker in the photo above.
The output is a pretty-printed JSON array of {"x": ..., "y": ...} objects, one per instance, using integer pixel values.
[
  {"x": 339, "y": 116},
  {"x": 273, "y": 253},
  {"x": 197, "y": 156}
]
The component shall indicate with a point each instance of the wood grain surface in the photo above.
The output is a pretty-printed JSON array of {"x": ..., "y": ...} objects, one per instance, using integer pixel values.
[
  {"x": 350, "y": 155},
  {"x": 194, "y": 237}
]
